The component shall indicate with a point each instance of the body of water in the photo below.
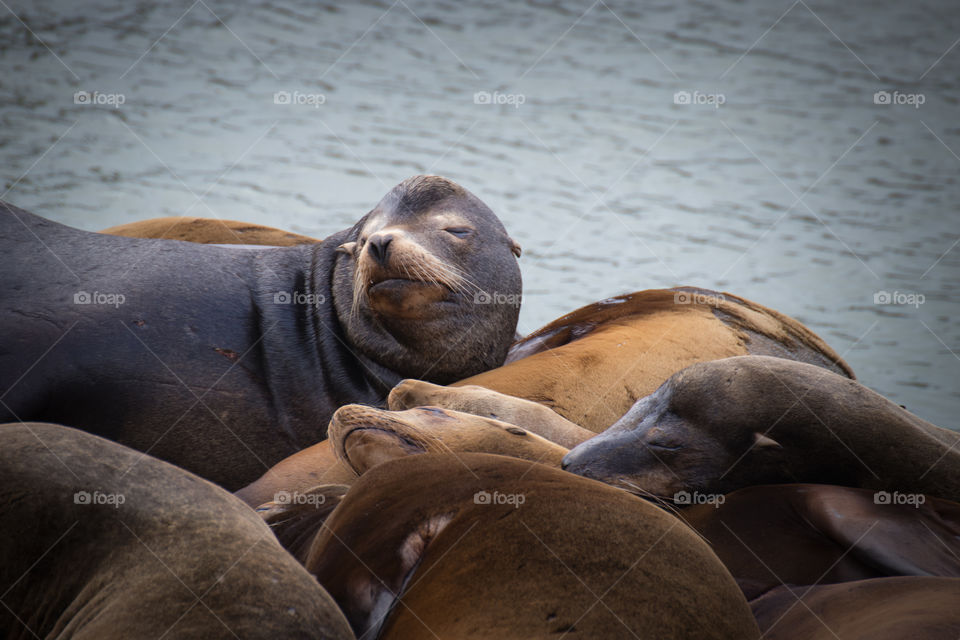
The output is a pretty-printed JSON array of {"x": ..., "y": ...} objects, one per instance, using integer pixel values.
[{"x": 800, "y": 154}]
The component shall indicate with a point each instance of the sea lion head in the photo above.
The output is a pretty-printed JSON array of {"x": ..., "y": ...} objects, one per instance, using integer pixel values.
[
  {"x": 704, "y": 430},
  {"x": 364, "y": 437},
  {"x": 428, "y": 283}
]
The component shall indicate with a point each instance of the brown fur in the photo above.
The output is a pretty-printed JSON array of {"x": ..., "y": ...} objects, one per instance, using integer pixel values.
[
  {"x": 878, "y": 609},
  {"x": 465, "y": 568},
  {"x": 364, "y": 437},
  {"x": 340, "y": 459},
  {"x": 719, "y": 426},
  {"x": 178, "y": 557},
  {"x": 209, "y": 231},
  {"x": 820, "y": 534},
  {"x": 481, "y": 401},
  {"x": 591, "y": 365}
]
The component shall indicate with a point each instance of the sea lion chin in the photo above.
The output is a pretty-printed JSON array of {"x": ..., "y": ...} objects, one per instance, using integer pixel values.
[{"x": 408, "y": 299}]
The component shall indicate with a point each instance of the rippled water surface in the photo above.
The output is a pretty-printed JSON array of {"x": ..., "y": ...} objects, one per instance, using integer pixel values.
[{"x": 798, "y": 191}]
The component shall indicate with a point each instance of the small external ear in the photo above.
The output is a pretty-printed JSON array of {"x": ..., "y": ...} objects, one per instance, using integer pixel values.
[
  {"x": 515, "y": 248},
  {"x": 347, "y": 248},
  {"x": 761, "y": 441}
]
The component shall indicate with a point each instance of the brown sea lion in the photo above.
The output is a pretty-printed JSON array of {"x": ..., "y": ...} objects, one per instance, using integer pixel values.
[
  {"x": 209, "y": 231},
  {"x": 361, "y": 437},
  {"x": 483, "y": 546},
  {"x": 481, "y": 401},
  {"x": 723, "y": 425},
  {"x": 591, "y": 365},
  {"x": 100, "y": 541},
  {"x": 805, "y": 534},
  {"x": 225, "y": 361},
  {"x": 879, "y": 609}
]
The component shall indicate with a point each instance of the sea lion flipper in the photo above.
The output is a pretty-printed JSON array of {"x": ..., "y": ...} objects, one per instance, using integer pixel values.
[{"x": 296, "y": 517}]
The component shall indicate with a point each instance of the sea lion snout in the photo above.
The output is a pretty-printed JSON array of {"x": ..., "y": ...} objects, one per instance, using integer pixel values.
[{"x": 378, "y": 245}]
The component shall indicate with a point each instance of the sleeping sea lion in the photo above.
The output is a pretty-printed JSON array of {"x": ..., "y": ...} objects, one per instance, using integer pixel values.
[{"x": 225, "y": 361}]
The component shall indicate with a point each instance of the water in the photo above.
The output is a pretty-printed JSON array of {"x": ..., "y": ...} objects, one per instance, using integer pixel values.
[{"x": 798, "y": 191}]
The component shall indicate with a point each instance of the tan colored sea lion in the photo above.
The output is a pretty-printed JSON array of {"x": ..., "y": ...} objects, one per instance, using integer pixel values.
[
  {"x": 723, "y": 425},
  {"x": 209, "y": 231},
  {"x": 361, "y": 437},
  {"x": 483, "y": 546},
  {"x": 591, "y": 365},
  {"x": 879, "y": 609},
  {"x": 805, "y": 534},
  {"x": 481, "y": 401},
  {"x": 100, "y": 541}
]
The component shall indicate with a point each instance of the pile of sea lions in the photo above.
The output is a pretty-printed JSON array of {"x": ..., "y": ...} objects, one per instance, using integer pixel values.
[{"x": 218, "y": 429}]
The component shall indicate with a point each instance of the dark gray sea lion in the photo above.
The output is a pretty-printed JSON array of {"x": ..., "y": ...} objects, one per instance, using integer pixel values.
[
  {"x": 732, "y": 423},
  {"x": 101, "y": 542},
  {"x": 225, "y": 361}
]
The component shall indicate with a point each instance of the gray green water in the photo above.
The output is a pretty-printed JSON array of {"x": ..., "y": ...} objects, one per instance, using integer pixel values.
[{"x": 799, "y": 191}]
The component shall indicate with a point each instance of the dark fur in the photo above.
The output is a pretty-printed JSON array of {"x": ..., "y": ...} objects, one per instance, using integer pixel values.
[
  {"x": 136, "y": 568},
  {"x": 269, "y": 375},
  {"x": 698, "y": 432}
]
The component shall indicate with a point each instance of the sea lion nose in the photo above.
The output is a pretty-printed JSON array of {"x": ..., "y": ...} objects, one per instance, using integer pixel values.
[{"x": 379, "y": 245}]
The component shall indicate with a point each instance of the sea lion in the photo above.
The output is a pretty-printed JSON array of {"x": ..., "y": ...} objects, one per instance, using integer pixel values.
[
  {"x": 481, "y": 401},
  {"x": 225, "y": 361},
  {"x": 361, "y": 437},
  {"x": 591, "y": 365},
  {"x": 723, "y": 425},
  {"x": 210, "y": 231},
  {"x": 804, "y": 534},
  {"x": 878, "y": 609},
  {"x": 484, "y": 546},
  {"x": 101, "y": 541}
]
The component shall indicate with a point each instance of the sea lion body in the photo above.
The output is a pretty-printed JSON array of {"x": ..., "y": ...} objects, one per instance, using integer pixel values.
[
  {"x": 804, "y": 534},
  {"x": 481, "y": 401},
  {"x": 484, "y": 546},
  {"x": 210, "y": 231},
  {"x": 877, "y": 609},
  {"x": 592, "y": 365},
  {"x": 723, "y": 425},
  {"x": 100, "y": 541},
  {"x": 361, "y": 437},
  {"x": 225, "y": 361}
]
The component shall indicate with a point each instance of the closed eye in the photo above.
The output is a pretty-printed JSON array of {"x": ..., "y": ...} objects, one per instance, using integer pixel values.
[
  {"x": 664, "y": 446},
  {"x": 460, "y": 232}
]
